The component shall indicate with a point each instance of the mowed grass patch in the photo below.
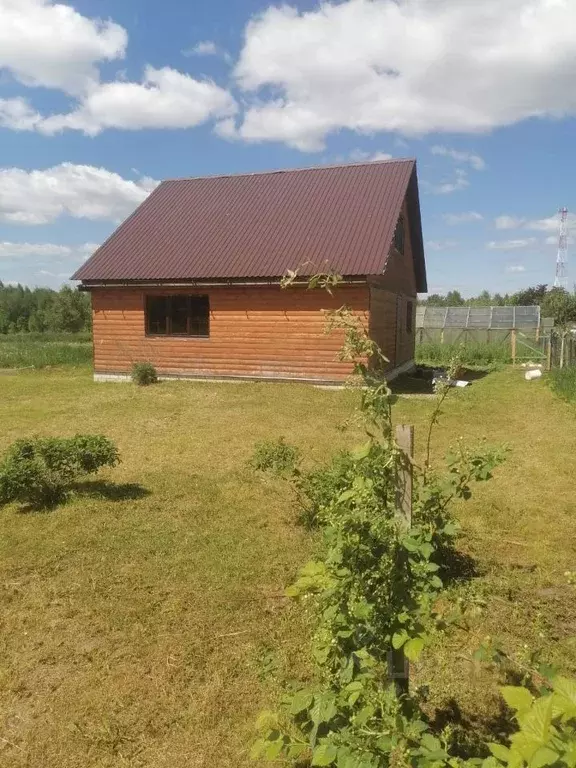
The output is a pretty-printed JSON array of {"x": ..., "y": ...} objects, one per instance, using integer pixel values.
[
  {"x": 519, "y": 536},
  {"x": 37, "y": 350},
  {"x": 147, "y": 627}
]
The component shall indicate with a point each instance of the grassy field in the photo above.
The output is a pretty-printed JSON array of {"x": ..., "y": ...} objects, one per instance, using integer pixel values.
[
  {"x": 563, "y": 382},
  {"x": 42, "y": 350},
  {"x": 143, "y": 623}
]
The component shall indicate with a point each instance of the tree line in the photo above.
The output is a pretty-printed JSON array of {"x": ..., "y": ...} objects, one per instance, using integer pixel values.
[
  {"x": 38, "y": 310},
  {"x": 554, "y": 302}
]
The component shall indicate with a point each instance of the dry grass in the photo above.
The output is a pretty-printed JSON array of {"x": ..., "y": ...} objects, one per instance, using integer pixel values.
[{"x": 142, "y": 624}]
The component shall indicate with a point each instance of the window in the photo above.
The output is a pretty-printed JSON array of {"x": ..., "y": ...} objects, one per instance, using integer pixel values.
[
  {"x": 177, "y": 315},
  {"x": 409, "y": 316},
  {"x": 399, "y": 235}
]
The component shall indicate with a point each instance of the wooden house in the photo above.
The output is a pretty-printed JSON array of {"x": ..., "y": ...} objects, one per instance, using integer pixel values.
[{"x": 191, "y": 280}]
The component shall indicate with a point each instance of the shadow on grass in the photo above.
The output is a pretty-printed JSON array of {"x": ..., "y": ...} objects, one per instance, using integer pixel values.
[
  {"x": 101, "y": 489},
  {"x": 419, "y": 381},
  {"x": 471, "y": 731},
  {"x": 92, "y": 489},
  {"x": 457, "y": 566}
]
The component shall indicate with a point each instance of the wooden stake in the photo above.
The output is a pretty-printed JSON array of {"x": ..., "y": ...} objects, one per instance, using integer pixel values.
[
  {"x": 398, "y": 666},
  {"x": 513, "y": 345},
  {"x": 562, "y": 345},
  {"x": 549, "y": 354},
  {"x": 405, "y": 439}
]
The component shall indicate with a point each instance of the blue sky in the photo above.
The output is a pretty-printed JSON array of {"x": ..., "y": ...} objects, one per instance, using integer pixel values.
[{"x": 99, "y": 100}]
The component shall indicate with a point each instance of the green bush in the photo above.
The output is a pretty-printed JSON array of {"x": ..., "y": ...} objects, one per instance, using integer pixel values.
[
  {"x": 144, "y": 374},
  {"x": 40, "y": 471},
  {"x": 275, "y": 456}
]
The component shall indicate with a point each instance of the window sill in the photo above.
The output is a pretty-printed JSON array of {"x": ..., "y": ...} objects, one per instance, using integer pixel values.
[{"x": 175, "y": 336}]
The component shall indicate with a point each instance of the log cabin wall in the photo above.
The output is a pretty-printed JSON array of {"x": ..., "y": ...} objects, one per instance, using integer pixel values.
[{"x": 257, "y": 332}]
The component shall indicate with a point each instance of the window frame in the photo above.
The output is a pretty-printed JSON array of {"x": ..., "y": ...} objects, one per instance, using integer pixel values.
[
  {"x": 409, "y": 318},
  {"x": 191, "y": 319},
  {"x": 399, "y": 241}
]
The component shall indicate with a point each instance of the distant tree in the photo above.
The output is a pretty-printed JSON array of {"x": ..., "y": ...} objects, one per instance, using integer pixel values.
[
  {"x": 560, "y": 305},
  {"x": 454, "y": 299},
  {"x": 43, "y": 309},
  {"x": 530, "y": 296}
]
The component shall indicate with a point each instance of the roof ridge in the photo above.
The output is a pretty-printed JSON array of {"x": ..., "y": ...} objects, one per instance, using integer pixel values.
[{"x": 388, "y": 161}]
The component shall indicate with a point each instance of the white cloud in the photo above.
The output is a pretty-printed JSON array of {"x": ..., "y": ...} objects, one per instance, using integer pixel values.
[
  {"x": 441, "y": 245},
  {"x": 467, "y": 217},
  {"x": 22, "y": 250},
  {"x": 207, "y": 48},
  {"x": 475, "y": 161},
  {"x": 508, "y": 222},
  {"x": 516, "y": 268},
  {"x": 80, "y": 191},
  {"x": 412, "y": 67},
  {"x": 18, "y": 115},
  {"x": 203, "y": 48},
  {"x": 551, "y": 224},
  {"x": 457, "y": 184},
  {"x": 165, "y": 99},
  {"x": 511, "y": 245},
  {"x": 50, "y": 44},
  {"x": 361, "y": 156}
]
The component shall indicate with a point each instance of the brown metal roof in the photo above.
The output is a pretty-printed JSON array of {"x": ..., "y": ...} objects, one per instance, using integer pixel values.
[{"x": 259, "y": 225}]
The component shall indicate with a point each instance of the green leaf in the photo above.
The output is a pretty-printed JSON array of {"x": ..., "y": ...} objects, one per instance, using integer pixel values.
[
  {"x": 410, "y": 544},
  {"x": 364, "y": 715},
  {"x": 361, "y": 452},
  {"x": 426, "y": 549},
  {"x": 543, "y": 756},
  {"x": 324, "y": 708},
  {"x": 536, "y": 723},
  {"x": 266, "y": 721},
  {"x": 273, "y": 749},
  {"x": 399, "y": 638},
  {"x": 324, "y": 754},
  {"x": 499, "y": 751},
  {"x": 347, "y": 495},
  {"x": 301, "y": 701},
  {"x": 258, "y": 749},
  {"x": 296, "y": 750},
  {"x": 516, "y": 697},
  {"x": 413, "y": 648},
  {"x": 566, "y": 689},
  {"x": 431, "y": 743}
]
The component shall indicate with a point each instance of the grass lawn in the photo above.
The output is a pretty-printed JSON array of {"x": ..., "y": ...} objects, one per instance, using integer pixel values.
[
  {"x": 41, "y": 350},
  {"x": 143, "y": 623}
]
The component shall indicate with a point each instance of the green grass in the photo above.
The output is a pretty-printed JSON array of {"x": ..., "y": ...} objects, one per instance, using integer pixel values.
[
  {"x": 42, "y": 350},
  {"x": 476, "y": 353},
  {"x": 143, "y": 623},
  {"x": 563, "y": 382}
]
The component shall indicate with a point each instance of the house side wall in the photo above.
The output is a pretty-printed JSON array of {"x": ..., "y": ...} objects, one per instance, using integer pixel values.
[
  {"x": 261, "y": 332},
  {"x": 392, "y": 297}
]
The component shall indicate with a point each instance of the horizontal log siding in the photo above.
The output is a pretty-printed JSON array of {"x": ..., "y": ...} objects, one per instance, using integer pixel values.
[{"x": 263, "y": 332}]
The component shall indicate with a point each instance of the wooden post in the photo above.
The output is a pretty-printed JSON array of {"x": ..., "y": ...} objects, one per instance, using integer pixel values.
[
  {"x": 513, "y": 345},
  {"x": 562, "y": 345},
  {"x": 549, "y": 353},
  {"x": 398, "y": 667}
]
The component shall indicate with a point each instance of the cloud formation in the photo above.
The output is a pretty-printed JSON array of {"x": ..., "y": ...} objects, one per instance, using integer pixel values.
[
  {"x": 414, "y": 67},
  {"x": 80, "y": 191}
]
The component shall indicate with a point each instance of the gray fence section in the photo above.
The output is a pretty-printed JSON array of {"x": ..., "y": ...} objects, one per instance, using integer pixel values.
[{"x": 477, "y": 318}]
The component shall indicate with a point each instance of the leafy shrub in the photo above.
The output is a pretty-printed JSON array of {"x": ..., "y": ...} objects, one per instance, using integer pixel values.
[
  {"x": 40, "y": 471},
  {"x": 275, "y": 456},
  {"x": 144, "y": 374}
]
